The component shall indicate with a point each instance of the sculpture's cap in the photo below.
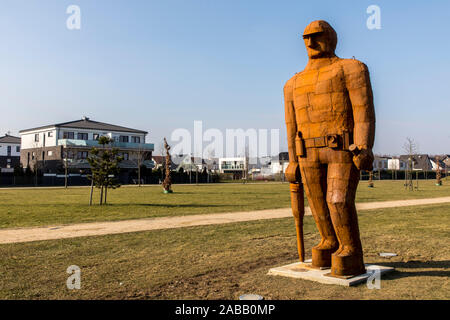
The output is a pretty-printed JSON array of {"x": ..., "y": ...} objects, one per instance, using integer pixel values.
[
  {"x": 318, "y": 26},
  {"x": 322, "y": 26}
]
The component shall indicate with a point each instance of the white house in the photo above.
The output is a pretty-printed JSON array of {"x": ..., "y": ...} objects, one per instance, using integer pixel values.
[
  {"x": 71, "y": 142},
  {"x": 9, "y": 153}
]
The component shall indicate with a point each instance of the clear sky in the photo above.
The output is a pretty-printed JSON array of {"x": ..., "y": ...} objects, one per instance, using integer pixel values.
[{"x": 160, "y": 65}]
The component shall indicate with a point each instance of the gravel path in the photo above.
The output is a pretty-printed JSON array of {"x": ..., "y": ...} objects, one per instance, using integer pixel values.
[{"x": 102, "y": 228}]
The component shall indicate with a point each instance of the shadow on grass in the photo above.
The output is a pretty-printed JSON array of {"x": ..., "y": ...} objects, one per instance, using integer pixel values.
[
  {"x": 168, "y": 205},
  {"x": 410, "y": 267}
]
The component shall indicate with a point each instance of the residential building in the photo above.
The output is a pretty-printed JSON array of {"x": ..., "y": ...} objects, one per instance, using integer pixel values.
[
  {"x": 235, "y": 166},
  {"x": 278, "y": 164},
  {"x": 9, "y": 153},
  {"x": 380, "y": 163},
  {"x": 420, "y": 162},
  {"x": 50, "y": 147},
  {"x": 396, "y": 164}
]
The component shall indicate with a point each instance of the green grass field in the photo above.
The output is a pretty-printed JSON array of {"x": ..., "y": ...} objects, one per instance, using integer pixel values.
[
  {"x": 225, "y": 261},
  {"x": 41, "y": 207}
]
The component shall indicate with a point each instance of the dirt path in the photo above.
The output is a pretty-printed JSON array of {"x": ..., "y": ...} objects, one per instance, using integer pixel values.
[{"x": 124, "y": 226}]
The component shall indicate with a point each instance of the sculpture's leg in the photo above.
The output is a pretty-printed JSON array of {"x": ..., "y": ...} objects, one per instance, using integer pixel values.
[
  {"x": 343, "y": 178},
  {"x": 314, "y": 181}
]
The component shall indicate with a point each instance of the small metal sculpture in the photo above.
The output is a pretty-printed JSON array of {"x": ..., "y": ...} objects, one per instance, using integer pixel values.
[
  {"x": 167, "y": 183},
  {"x": 438, "y": 173}
]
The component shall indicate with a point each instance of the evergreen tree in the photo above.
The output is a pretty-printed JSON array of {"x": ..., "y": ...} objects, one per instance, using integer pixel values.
[{"x": 104, "y": 164}]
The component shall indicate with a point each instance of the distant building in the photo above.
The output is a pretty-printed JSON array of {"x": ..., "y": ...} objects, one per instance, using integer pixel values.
[
  {"x": 278, "y": 164},
  {"x": 420, "y": 162},
  {"x": 396, "y": 164},
  {"x": 380, "y": 163},
  {"x": 9, "y": 153},
  {"x": 235, "y": 166},
  {"x": 51, "y": 146}
]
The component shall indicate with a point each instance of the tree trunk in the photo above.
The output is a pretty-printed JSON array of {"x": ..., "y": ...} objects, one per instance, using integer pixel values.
[
  {"x": 139, "y": 175},
  {"x": 92, "y": 190},
  {"x": 106, "y": 193},
  {"x": 101, "y": 195}
]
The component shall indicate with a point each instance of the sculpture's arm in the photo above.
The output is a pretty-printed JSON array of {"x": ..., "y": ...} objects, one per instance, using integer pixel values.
[
  {"x": 361, "y": 97},
  {"x": 291, "y": 124},
  {"x": 292, "y": 171}
]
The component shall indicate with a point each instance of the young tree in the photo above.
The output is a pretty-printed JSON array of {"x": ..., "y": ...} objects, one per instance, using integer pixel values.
[
  {"x": 410, "y": 147},
  {"x": 104, "y": 164}
]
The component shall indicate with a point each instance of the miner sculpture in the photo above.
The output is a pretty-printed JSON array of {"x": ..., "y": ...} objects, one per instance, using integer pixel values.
[{"x": 330, "y": 124}]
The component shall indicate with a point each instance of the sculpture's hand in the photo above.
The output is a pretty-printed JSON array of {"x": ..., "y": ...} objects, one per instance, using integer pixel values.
[
  {"x": 364, "y": 159},
  {"x": 292, "y": 172}
]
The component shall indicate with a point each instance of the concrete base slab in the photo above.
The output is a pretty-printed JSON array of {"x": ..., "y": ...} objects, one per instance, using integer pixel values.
[{"x": 304, "y": 270}]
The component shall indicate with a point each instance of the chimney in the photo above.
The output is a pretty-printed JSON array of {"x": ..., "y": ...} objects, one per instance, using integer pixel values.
[{"x": 84, "y": 118}]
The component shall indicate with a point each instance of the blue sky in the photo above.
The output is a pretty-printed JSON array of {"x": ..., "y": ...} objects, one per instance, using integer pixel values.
[{"x": 160, "y": 65}]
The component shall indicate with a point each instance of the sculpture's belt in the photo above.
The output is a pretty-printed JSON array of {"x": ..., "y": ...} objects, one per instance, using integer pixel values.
[
  {"x": 331, "y": 141},
  {"x": 334, "y": 141}
]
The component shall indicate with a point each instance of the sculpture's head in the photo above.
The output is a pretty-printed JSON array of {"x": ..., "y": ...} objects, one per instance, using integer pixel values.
[{"x": 320, "y": 39}]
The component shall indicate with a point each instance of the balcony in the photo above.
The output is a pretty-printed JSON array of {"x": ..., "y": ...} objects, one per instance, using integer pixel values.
[
  {"x": 232, "y": 167},
  {"x": 94, "y": 143}
]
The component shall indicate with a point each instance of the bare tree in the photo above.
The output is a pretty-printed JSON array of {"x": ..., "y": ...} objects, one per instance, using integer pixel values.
[
  {"x": 141, "y": 155},
  {"x": 411, "y": 149}
]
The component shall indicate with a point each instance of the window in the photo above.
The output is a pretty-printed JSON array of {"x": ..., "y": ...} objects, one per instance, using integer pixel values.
[
  {"x": 8, "y": 160},
  {"x": 123, "y": 139},
  {"x": 125, "y": 156},
  {"x": 68, "y": 154},
  {"x": 50, "y": 153},
  {"x": 82, "y": 136},
  {"x": 96, "y": 136},
  {"x": 36, "y": 137},
  {"x": 17, "y": 148},
  {"x": 33, "y": 155},
  {"x": 68, "y": 135},
  {"x": 82, "y": 154},
  {"x": 50, "y": 134},
  {"x": 9, "y": 150},
  {"x": 136, "y": 139}
]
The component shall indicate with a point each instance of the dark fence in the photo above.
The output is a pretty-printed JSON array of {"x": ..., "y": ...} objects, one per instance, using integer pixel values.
[
  {"x": 73, "y": 179},
  {"x": 400, "y": 175}
]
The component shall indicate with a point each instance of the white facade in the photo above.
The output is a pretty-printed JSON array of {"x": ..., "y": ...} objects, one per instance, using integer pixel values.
[
  {"x": 380, "y": 164},
  {"x": 435, "y": 166},
  {"x": 396, "y": 164},
  {"x": 278, "y": 166},
  {"x": 231, "y": 164},
  {"x": 13, "y": 148}
]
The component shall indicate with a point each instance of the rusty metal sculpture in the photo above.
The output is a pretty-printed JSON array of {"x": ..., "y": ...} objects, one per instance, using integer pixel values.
[
  {"x": 167, "y": 183},
  {"x": 438, "y": 172},
  {"x": 330, "y": 122}
]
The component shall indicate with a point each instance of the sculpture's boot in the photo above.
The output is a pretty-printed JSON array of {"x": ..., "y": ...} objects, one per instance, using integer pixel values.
[{"x": 321, "y": 254}]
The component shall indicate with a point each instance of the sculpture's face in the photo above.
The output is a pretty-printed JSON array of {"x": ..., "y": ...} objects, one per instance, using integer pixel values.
[{"x": 317, "y": 45}]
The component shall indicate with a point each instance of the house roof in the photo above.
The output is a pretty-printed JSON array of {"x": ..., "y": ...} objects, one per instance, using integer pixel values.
[
  {"x": 159, "y": 159},
  {"x": 421, "y": 161},
  {"x": 10, "y": 139},
  {"x": 86, "y": 123}
]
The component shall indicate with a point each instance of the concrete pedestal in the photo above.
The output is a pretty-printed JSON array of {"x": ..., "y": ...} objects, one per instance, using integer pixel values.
[{"x": 304, "y": 270}]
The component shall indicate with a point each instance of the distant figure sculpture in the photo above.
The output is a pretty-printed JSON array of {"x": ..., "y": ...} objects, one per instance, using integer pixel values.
[
  {"x": 330, "y": 122},
  {"x": 167, "y": 183}
]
